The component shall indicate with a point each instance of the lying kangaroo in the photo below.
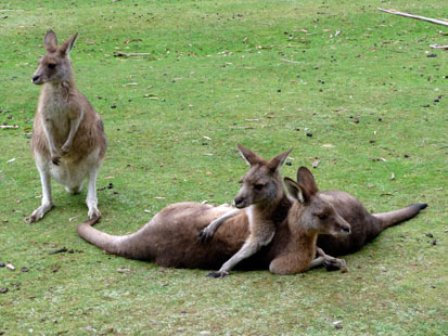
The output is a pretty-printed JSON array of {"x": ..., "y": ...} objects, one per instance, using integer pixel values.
[
  {"x": 68, "y": 139},
  {"x": 364, "y": 226},
  {"x": 170, "y": 239}
]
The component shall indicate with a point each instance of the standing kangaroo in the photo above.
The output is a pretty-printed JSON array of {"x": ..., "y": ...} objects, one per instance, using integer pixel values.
[
  {"x": 170, "y": 239},
  {"x": 68, "y": 141}
]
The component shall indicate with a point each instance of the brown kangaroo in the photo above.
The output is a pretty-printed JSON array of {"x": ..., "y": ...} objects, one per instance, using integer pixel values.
[
  {"x": 364, "y": 226},
  {"x": 170, "y": 239},
  {"x": 68, "y": 141},
  {"x": 261, "y": 191}
]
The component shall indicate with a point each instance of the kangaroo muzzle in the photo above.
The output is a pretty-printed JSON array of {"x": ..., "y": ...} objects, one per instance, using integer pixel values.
[{"x": 344, "y": 227}]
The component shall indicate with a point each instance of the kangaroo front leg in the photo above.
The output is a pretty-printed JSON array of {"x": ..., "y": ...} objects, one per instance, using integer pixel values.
[
  {"x": 49, "y": 131},
  {"x": 92, "y": 200},
  {"x": 206, "y": 234},
  {"x": 330, "y": 263},
  {"x": 46, "y": 203},
  {"x": 74, "y": 125},
  {"x": 249, "y": 248}
]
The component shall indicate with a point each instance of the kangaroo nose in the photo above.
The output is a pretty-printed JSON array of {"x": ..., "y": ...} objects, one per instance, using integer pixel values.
[
  {"x": 346, "y": 230},
  {"x": 239, "y": 202},
  {"x": 35, "y": 78}
]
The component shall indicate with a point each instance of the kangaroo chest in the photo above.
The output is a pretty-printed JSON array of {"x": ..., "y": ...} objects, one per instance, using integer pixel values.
[{"x": 54, "y": 111}]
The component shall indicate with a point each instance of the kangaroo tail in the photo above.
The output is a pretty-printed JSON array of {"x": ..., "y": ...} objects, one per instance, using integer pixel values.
[
  {"x": 106, "y": 242},
  {"x": 397, "y": 216}
]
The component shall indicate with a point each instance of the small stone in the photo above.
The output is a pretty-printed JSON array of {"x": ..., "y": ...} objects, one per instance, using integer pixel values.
[
  {"x": 110, "y": 186},
  {"x": 337, "y": 324},
  {"x": 10, "y": 266},
  {"x": 113, "y": 106},
  {"x": 434, "y": 242},
  {"x": 429, "y": 235},
  {"x": 309, "y": 134},
  {"x": 24, "y": 269},
  {"x": 2, "y": 264},
  {"x": 4, "y": 290}
]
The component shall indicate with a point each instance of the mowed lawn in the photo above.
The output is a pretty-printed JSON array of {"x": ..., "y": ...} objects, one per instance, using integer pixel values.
[{"x": 356, "y": 90}]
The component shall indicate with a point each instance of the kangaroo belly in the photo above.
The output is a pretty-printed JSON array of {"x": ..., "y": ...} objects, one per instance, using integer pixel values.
[
  {"x": 73, "y": 170},
  {"x": 171, "y": 238}
]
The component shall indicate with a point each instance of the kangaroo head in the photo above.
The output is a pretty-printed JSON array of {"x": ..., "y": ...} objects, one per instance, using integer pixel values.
[
  {"x": 262, "y": 184},
  {"x": 317, "y": 214},
  {"x": 54, "y": 66}
]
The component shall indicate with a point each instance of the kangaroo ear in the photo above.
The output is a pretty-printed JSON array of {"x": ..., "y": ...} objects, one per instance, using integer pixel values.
[
  {"x": 250, "y": 157},
  {"x": 293, "y": 190},
  {"x": 278, "y": 161},
  {"x": 50, "y": 41},
  {"x": 68, "y": 45},
  {"x": 306, "y": 182}
]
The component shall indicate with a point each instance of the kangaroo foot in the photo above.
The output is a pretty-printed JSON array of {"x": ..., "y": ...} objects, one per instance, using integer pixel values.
[
  {"x": 218, "y": 274},
  {"x": 334, "y": 264}
]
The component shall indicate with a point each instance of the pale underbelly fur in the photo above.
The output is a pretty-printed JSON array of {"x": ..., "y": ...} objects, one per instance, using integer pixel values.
[{"x": 72, "y": 175}]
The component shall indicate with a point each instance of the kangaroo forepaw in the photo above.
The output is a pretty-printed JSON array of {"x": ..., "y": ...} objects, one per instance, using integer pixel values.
[
  {"x": 218, "y": 274},
  {"x": 66, "y": 148},
  {"x": 56, "y": 160},
  {"x": 335, "y": 264},
  {"x": 205, "y": 236}
]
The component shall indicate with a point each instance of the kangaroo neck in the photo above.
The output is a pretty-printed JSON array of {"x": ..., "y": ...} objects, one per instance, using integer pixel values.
[
  {"x": 275, "y": 211},
  {"x": 65, "y": 88}
]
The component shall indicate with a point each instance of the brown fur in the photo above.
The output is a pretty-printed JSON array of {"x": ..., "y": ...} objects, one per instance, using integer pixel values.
[
  {"x": 68, "y": 141},
  {"x": 364, "y": 226},
  {"x": 261, "y": 190},
  {"x": 171, "y": 238}
]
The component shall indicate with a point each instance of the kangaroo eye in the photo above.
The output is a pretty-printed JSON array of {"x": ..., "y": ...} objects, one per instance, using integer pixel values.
[
  {"x": 258, "y": 186},
  {"x": 51, "y": 65},
  {"x": 322, "y": 216}
]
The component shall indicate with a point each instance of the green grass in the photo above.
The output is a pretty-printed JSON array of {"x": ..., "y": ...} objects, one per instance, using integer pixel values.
[{"x": 260, "y": 73}]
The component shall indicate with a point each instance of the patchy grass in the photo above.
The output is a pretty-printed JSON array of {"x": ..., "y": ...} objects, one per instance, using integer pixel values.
[{"x": 258, "y": 73}]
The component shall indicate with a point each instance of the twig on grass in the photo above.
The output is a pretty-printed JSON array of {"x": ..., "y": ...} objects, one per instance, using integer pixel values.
[
  {"x": 417, "y": 17},
  {"x": 9, "y": 126},
  {"x": 123, "y": 54},
  {"x": 439, "y": 46}
]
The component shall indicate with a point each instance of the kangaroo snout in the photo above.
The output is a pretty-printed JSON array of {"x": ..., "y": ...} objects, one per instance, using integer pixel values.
[
  {"x": 37, "y": 79},
  {"x": 344, "y": 227},
  {"x": 240, "y": 202}
]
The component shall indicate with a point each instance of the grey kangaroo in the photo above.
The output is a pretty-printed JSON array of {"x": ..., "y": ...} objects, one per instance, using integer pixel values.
[
  {"x": 68, "y": 141},
  {"x": 170, "y": 239},
  {"x": 364, "y": 226}
]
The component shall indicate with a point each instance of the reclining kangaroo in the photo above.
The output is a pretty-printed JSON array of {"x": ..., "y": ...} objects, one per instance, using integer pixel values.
[
  {"x": 364, "y": 226},
  {"x": 68, "y": 140},
  {"x": 170, "y": 239}
]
